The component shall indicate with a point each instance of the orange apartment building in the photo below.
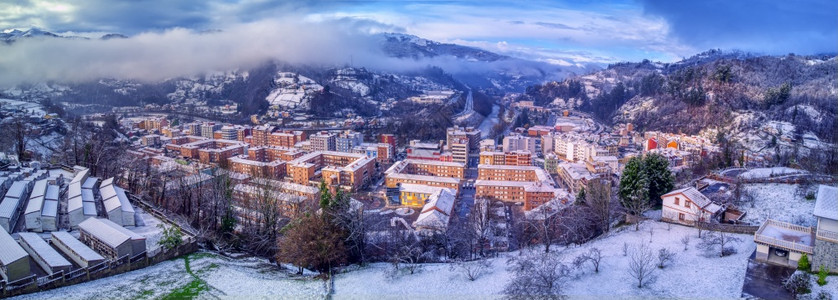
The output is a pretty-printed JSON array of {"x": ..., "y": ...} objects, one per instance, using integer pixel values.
[
  {"x": 527, "y": 184},
  {"x": 347, "y": 170},
  {"x": 209, "y": 150},
  {"x": 260, "y": 134},
  {"x": 425, "y": 172},
  {"x": 254, "y": 168},
  {"x": 513, "y": 158}
]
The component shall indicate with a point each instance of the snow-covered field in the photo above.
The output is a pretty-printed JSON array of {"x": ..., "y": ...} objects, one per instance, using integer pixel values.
[
  {"x": 770, "y": 172},
  {"x": 249, "y": 278},
  {"x": 692, "y": 274},
  {"x": 780, "y": 202}
]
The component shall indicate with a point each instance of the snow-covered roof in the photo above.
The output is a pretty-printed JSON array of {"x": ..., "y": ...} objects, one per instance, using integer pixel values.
[
  {"x": 35, "y": 205},
  {"x": 17, "y": 189},
  {"x": 74, "y": 244},
  {"x": 12, "y": 252},
  {"x": 89, "y": 183},
  {"x": 50, "y": 208},
  {"x": 8, "y": 207},
  {"x": 108, "y": 192},
  {"x": 123, "y": 200},
  {"x": 74, "y": 204},
  {"x": 53, "y": 192},
  {"x": 89, "y": 209},
  {"x": 39, "y": 189},
  {"x": 437, "y": 212},
  {"x": 112, "y": 204},
  {"x": 419, "y": 188},
  {"x": 107, "y": 231},
  {"x": 106, "y": 182},
  {"x": 80, "y": 176},
  {"x": 695, "y": 197},
  {"x": 43, "y": 250},
  {"x": 87, "y": 195},
  {"x": 74, "y": 190},
  {"x": 826, "y": 205}
]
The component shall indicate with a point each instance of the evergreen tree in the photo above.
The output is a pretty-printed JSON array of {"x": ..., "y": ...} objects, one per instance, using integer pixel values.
[
  {"x": 632, "y": 180},
  {"x": 660, "y": 178},
  {"x": 580, "y": 197},
  {"x": 325, "y": 195}
]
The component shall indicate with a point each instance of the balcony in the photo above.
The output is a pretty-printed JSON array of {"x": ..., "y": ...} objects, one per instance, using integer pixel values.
[
  {"x": 786, "y": 236},
  {"x": 827, "y": 235}
]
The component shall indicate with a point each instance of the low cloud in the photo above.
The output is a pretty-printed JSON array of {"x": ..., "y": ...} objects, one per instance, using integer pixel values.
[
  {"x": 180, "y": 52},
  {"x": 155, "y": 56}
]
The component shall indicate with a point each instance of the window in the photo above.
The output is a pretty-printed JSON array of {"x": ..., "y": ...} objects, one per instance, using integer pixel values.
[
  {"x": 681, "y": 216},
  {"x": 687, "y": 203},
  {"x": 677, "y": 201}
]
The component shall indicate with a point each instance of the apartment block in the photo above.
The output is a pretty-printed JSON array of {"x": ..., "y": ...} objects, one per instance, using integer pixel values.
[
  {"x": 323, "y": 141},
  {"x": 347, "y": 170}
]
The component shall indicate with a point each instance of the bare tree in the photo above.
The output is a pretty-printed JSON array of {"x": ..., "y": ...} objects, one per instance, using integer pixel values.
[
  {"x": 543, "y": 225},
  {"x": 536, "y": 276},
  {"x": 719, "y": 239},
  {"x": 594, "y": 256},
  {"x": 686, "y": 241},
  {"x": 665, "y": 256},
  {"x": 480, "y": 225},
  {"x": 636, "y": 206},
  {"x": 599, "y": 198},
  {"x": 641, "y": 264},
  {"x": 408, "y": 258},
  {"x": 472, "y": 269}
]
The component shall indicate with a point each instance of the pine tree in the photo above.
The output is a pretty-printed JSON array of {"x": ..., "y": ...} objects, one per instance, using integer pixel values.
[
  {"x": 325, "y": 195},
  {"x": 803, "y": 264},
  {"x": 580, "y": 197},
  {"x": 660, "y": 178}
]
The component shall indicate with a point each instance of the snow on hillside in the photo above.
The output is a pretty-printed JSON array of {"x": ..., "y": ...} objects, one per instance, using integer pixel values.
[
  {"x": 780, "y": 202},
  {"x": 226, "y": 278},
  {"x": 292, "y": 90},
  {"x": 711, "y": 277},
  {"x": 770, "y": 172}
]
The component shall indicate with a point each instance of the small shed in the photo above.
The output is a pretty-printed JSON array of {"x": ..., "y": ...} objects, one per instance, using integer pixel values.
[
  {"x": 80, "y": 253},
  {"x": 111, "y": 239},
  {"x": 14, "y": 261},
  {"x": 32, "y": 214},
  {"x": 49, "y": 216},
  {"x": 44, "y": 255}
]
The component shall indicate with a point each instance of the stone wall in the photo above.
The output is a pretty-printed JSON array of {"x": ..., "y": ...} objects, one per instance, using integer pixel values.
[{"x": 826, "y": 254}]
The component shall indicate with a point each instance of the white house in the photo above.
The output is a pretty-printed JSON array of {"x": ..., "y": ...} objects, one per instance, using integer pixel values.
[
  {"x": 688, "y": 205},
  {"x": 826, "y": 237},
  {"x": 436, "y": 213}
]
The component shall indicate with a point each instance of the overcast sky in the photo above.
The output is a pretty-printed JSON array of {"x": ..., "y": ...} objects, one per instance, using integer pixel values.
[
  {"x": 167, "y": 37},
  {"x": 549, "y": 30}
]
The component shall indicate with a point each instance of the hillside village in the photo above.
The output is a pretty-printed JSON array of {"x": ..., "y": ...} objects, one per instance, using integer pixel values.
[
  {"x": 465, "y": 203},
  {"x": 437, "y": 149}
]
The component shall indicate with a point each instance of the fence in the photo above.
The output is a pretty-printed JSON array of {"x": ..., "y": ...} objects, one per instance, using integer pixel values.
[
  {"x": 730, "y": 228},
  {"x": 104, "y": 269}
]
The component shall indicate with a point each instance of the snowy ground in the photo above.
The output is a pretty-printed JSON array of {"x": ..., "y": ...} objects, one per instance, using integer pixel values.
[
  {"x": 147, "y": 227},
  {"x": 831, "y": 286},
  {"x": 226, "y": 278},
  {"x": 780, "y": 202},
  {"x": 770, "y": 172},
  {"x": 709, "y": 276}
]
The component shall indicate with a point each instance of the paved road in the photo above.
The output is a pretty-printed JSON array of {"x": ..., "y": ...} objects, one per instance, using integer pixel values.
[
  {"x": 764, "y": 281},
  {"x": 469, "y": 107}
]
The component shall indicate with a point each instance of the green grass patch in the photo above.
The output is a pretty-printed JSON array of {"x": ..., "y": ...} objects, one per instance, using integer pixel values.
[
  {"x": 195, "y": 287},
  {"x": 189, "y": 291}
]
